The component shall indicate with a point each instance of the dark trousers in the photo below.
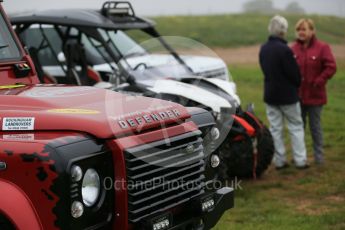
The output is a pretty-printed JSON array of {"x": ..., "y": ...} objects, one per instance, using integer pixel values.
[{"x": 313, "y": 115}]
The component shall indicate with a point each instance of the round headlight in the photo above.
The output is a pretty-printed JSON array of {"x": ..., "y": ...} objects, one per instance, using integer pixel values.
[
  {"x": 91, "y": 187},
  {"x": 76, "y": 173}
]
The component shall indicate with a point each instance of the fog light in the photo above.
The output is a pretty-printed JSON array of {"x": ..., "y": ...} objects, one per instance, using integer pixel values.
[
  {"x": 76, "y": 173},
  {"x": 215, "y": 161},
  {"x": 207, "y": 205},
  {"x": 161, "y": 224},
  {"x": 215, "y": 134},
  {"x": 77, "y": 209}
]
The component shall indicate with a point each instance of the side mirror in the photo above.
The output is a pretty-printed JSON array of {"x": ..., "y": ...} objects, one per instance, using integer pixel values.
[{"x": 61, "y": 57}]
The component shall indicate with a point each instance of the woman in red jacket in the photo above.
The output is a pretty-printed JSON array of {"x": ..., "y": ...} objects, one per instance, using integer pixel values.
[{"x": 317, "y": 66}]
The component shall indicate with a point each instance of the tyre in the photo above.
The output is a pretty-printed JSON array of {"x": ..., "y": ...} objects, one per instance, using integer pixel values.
[
  {"x": 265, "y": 149},
  {"x": 238, "y": 158}
]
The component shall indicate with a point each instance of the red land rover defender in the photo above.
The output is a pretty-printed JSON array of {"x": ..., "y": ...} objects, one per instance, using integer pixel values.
[{"x": 86, "y": 158}]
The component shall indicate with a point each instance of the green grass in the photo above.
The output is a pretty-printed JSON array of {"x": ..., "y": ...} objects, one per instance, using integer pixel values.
[
  {"x": 292, "y": 199},
  {"x": 242, "y": 29}
]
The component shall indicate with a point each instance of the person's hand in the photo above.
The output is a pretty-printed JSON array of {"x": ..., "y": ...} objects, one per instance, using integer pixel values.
[{"x": 319, "y": 82}]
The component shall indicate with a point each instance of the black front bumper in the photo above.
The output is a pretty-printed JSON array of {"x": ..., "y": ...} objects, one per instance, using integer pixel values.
[
  {"x": 224, "y": 200},
  {"x": 193, "y": 218}
]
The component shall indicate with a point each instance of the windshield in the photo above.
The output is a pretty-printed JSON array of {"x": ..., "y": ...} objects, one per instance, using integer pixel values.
[
  {"x": 144, "y": 59},
  {"x": 130, "y": 49},
  {"x": 126, "y": 45},
  {"x": 8, "y": 47},
  {"x": 133, "y": 43}
]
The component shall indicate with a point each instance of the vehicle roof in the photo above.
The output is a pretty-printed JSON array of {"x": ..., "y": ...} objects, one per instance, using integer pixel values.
[{"x": 81, "y": 17}]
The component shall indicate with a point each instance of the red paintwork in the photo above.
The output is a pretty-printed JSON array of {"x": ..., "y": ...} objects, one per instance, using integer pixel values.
[
  {"x": 23, "y": 174},
  {"x": 15, "y": 204},
  {"x": 7, "y": 75},
  {"x": 109, "y": 107},
  {"x": 118, "y": 146},
  {"x": 21, "y": 192}
]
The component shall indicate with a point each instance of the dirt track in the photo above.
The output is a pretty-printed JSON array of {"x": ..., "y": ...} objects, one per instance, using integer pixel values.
[{"x": 249, "y": 55}]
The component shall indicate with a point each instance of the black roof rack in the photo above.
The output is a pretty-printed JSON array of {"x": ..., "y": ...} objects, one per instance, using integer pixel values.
[
  {"x": 118, "y": 8},
  {"x": 113, "y": 15}
]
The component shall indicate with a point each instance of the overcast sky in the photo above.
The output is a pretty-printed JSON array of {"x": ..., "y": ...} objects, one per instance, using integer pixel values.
[{"x": 177, "y": 7}]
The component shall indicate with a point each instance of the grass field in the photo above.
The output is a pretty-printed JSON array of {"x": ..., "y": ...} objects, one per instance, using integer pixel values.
[
  {"x": 242, "y": 29},
  {"x": 292, "y": 199}
]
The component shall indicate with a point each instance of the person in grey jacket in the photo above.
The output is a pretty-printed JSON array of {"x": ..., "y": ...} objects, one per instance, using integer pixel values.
[{"x": 281, "y": 82}]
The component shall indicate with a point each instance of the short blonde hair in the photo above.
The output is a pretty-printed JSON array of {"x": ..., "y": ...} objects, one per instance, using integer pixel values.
[{"x": 305, "y": 21}]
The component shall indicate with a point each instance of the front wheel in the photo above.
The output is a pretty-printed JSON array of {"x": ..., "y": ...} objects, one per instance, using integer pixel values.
[
  {"x": 265, "y": 149},
  {"x": 246, "y": 158}
]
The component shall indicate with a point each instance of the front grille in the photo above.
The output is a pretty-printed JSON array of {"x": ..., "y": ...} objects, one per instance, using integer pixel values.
[{"x": 162, "y": 175}]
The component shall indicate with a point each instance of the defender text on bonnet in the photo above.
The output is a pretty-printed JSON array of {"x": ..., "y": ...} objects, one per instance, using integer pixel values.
[{"x": 88, "y": 158}]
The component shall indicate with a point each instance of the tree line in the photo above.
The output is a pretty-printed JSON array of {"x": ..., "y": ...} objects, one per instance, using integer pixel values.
[{"x": 266, "y": 7}]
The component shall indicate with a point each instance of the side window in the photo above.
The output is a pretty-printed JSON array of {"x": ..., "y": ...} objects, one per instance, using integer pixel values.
[{"x": 35, "y": 37}]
